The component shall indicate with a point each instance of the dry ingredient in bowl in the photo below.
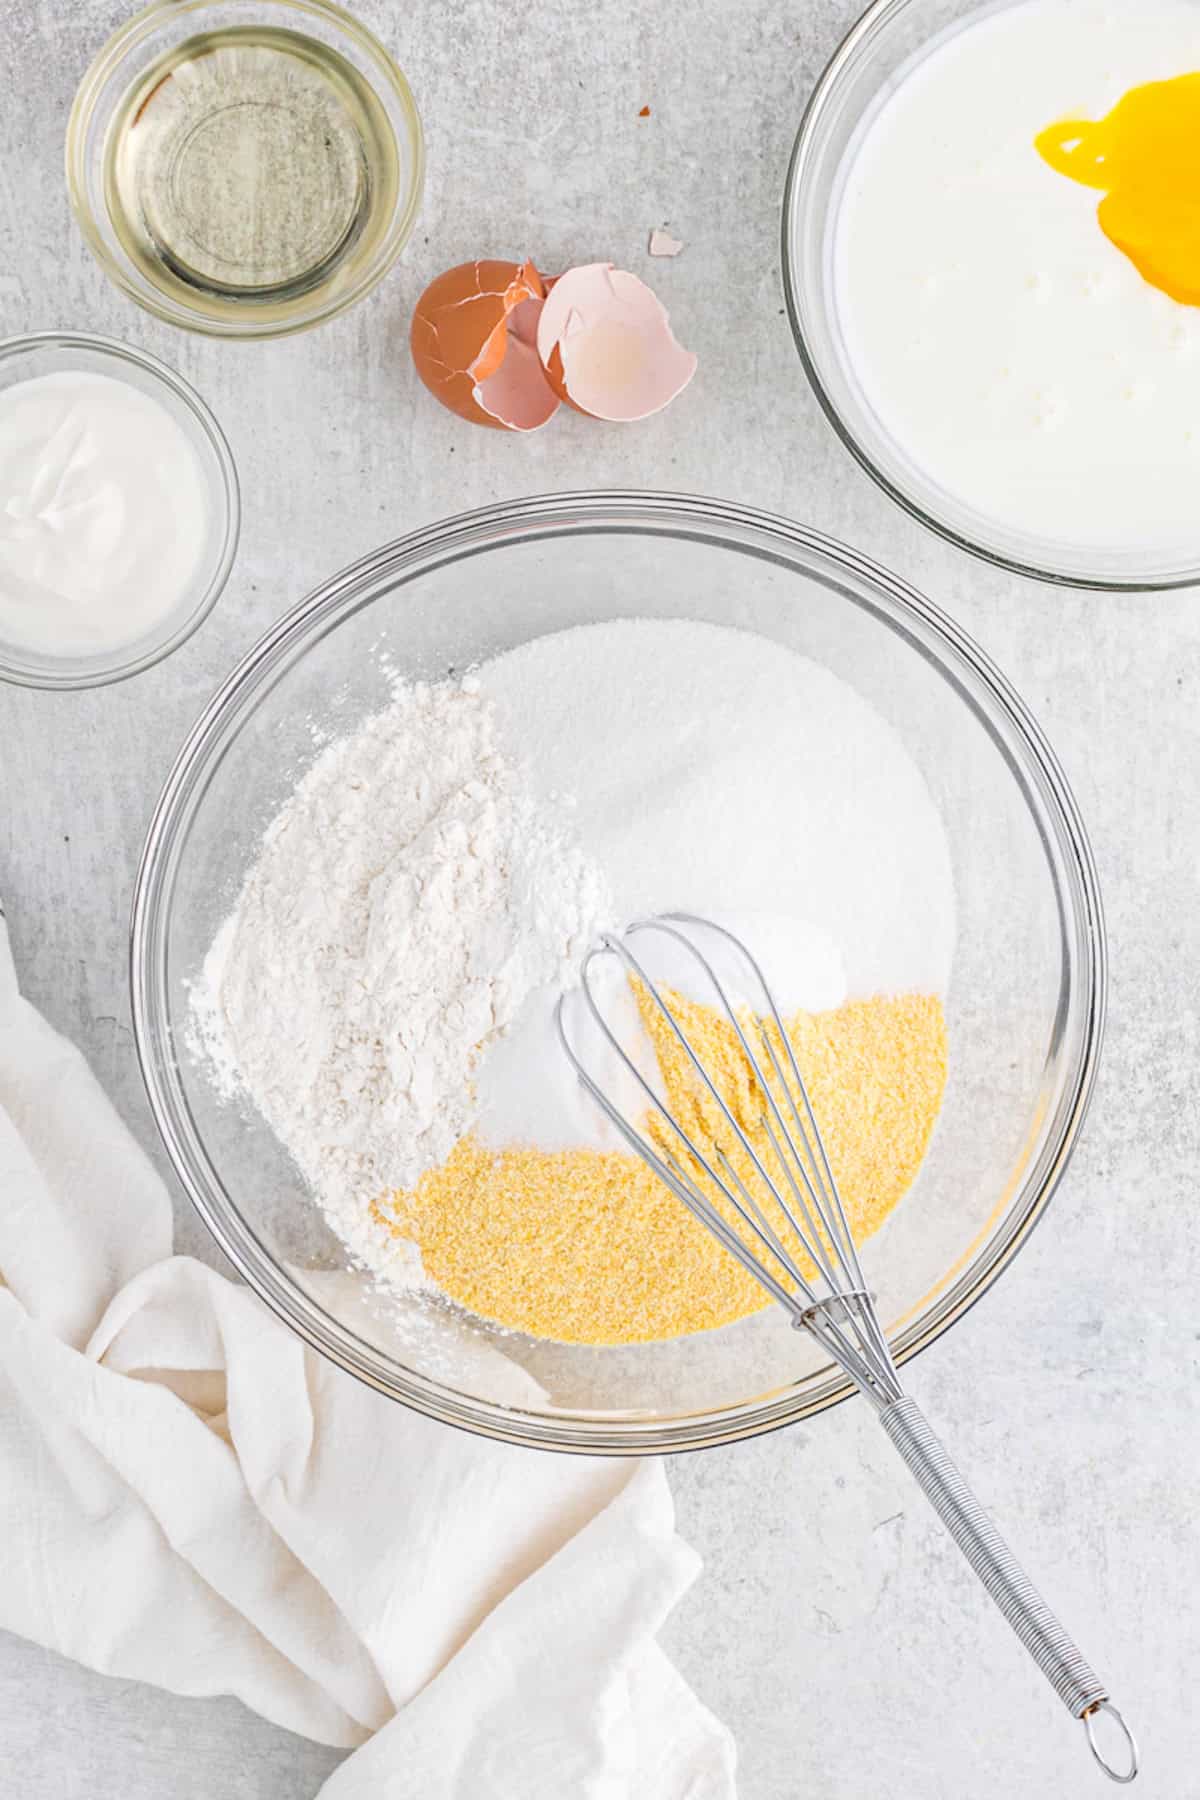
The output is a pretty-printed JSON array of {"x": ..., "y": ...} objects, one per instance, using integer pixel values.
[
  {"x": 408, "y": 899},
  {"x": 384, "y": 988},
  {"x": 103, "y": 513}
]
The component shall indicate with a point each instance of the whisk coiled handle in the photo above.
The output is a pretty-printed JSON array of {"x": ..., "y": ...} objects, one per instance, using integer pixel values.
[{"x": 1065, "y": 1668}]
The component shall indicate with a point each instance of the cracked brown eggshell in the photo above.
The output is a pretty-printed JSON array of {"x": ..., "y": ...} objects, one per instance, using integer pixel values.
[{"x": 474, "y": 344}]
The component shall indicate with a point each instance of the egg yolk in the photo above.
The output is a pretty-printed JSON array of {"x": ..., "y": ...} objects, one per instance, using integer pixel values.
[{"x": 1145, "y": 155}]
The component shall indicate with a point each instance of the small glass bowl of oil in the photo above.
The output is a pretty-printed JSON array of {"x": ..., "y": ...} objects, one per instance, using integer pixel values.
[{"x": 245, "y": 168}]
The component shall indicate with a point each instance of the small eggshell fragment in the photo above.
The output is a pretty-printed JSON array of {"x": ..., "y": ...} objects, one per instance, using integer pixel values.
[
  {"x": 607, "y": 344},
  {"x": 663, "y": 244},
  {"x": 473, "y": 338}
]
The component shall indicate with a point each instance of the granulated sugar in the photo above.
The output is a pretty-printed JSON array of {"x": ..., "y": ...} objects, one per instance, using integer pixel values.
[{"x": 715, "y": 772}]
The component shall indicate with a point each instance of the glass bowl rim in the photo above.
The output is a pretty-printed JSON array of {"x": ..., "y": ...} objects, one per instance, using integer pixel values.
[
  {"x": 105, "y": 65},
  {"x": 871, "y": 22},
  {"x": 120, "y": 667},
  {"x": 541, "y": 518}
]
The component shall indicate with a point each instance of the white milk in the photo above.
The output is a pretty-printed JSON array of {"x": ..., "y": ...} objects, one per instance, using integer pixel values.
[{"x": 1009, "y": 349}]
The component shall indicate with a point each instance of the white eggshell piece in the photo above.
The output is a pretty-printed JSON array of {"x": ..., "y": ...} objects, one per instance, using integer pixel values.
[{"x": 620, "y": 359}]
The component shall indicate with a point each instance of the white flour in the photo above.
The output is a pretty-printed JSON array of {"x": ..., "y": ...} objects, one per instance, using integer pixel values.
[{"x": 406, "y": 902}]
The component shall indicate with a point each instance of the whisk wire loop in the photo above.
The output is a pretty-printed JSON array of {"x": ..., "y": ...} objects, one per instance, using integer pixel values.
[
  {"x": 670, "y": 1172},
  {"x": 815, "y": 1193},
  {"x": 815, "y": 1219},
  {"x": 748, "y": 1146},
  {"x": 810, "y": 1160}
]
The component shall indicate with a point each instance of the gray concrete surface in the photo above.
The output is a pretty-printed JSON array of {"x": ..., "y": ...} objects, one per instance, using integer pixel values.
[{"x": 832, "y": 1627}]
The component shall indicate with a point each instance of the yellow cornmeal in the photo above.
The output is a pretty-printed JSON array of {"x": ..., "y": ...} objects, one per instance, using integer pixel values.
[{"x": 588, "y": 1247}]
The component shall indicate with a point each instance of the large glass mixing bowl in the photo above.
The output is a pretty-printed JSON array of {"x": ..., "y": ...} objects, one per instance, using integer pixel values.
[{"x": 1025, "y": 1005}]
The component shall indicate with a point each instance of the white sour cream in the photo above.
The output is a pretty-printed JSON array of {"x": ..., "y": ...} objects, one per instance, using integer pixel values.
[
  {"x": 103, "y": 513},
  {"x": 1009, "y": 350}
]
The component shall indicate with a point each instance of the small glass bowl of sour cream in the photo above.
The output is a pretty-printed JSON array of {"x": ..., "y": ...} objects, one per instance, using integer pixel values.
[
  {"x": 119, "y": 510},
  {"x": 981, "y": 346}
]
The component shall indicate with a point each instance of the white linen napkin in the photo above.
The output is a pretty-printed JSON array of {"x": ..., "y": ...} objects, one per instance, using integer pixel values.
[{"x": 190, "y": 1497}]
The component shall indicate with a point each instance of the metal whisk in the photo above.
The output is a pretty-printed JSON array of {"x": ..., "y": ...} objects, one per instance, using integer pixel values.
[{"x": 782, "y": 1204}]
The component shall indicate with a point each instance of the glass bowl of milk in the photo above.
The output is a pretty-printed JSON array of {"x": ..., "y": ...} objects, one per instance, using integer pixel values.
[
  {"x": 998, "y": 323},
  {"x": 119, "y": 510}
]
